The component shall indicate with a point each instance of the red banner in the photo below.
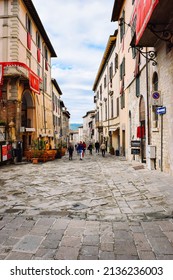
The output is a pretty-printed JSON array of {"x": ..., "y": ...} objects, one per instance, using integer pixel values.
[
  {"x": 38, "y": 55},
  {"x": 34, "y": 80},
  {"x": 144, "y": 9},
  {"x": 29, "y": 41}
]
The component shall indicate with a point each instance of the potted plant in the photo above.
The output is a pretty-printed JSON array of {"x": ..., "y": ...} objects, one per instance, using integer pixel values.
[{"x": 35, "y": 156}]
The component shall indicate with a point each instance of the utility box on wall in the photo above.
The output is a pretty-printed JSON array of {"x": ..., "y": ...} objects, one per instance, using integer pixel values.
[{"x": 151, "y": 152}]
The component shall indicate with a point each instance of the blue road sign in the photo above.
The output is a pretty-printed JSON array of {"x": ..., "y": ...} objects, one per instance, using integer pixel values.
[
  {"x": 156, "y": 95},
  {"x": 161, "y": 110}
]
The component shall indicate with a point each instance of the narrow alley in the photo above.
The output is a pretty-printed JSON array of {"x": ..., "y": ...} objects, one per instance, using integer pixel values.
[{"x": 100, "y": 208}]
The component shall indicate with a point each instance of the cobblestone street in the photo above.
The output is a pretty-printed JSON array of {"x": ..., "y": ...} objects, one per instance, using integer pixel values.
[{"x": 97, "y": 208}]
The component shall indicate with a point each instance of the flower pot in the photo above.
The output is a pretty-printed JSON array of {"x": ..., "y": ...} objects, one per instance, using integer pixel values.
[{"x": 35, "y": 160}]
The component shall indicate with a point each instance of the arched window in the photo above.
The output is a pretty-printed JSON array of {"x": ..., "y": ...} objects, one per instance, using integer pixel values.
[{"x": 155, "y": 81}]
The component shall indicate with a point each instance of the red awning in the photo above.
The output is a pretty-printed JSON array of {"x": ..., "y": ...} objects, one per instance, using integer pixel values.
[
  {"x": 34, "y": 80},
  {"x": 144, "y": 10}
]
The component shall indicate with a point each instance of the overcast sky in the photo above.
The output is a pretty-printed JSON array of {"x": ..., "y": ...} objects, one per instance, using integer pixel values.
[{"x": 79, "y": 31}]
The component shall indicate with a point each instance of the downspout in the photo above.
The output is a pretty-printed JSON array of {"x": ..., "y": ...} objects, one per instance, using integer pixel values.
[
  {"x": 44, "y": 109},
  {"x": 108, "y": 105},
  {"x": 147, "y": 99}
]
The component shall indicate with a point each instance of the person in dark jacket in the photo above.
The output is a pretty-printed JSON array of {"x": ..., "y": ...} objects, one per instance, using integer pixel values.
[
  {"x": 90, "y": 148},
  {"x": 70, "y": 151},
  {"x": 97, "y": 146},
  {"x": 80, "y": 149}
]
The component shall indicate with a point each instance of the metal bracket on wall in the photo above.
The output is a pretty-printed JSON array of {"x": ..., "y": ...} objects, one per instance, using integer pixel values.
[{"x": 162, "y": 34}]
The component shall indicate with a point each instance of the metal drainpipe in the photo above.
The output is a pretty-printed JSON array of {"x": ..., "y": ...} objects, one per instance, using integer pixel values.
[
  {"x": 108, "y": 105},
  {"x": 44, "y": 110},
  {"x": 147, "y": 99}
]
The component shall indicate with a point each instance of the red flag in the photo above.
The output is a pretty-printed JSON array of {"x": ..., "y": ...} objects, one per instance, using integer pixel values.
[
  {"x": 38, "y": 55},
  {"x": 34, "y": 82},
  {"x": 144, "y": 11},
  {"x": 28, "y": 40}
]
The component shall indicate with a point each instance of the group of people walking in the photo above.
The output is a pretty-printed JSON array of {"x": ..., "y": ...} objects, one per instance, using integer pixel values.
[{"x": 81, "y": 149}]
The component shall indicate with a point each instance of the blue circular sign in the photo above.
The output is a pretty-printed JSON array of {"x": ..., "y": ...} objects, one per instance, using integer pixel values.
[{"x": 156, "y": 95}]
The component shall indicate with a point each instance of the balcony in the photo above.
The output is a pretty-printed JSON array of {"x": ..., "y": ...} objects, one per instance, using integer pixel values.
[{"x": 99, "y": 124}]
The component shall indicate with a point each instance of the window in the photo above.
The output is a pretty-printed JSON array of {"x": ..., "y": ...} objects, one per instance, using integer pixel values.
[
  {"x": 112, "y": 107},
  {"x": 106, "y": 110},
  {"x": 122, "y": 27},
  {"x": 105, "y": 81},
  {"x": 29, "y": 32},
  {"x": 38, "y": 70},
  {"x": 122, "y": 69},
  {"x": 116, "y": 62},
  {"x": 122, "y": 100},
  {"x": 97, "y": 94},
  {"x": 111, "y": 71},
  {"x": 100, "y": 92},
  {"x": 38, "y": 40},
  {"x": 46, "y": 58},
  {"x": 45, "y": 83},
  {"x": 155, "y": 81},
  {"x": 28, "y": 24},
  {"x": 137, "y": 85}
]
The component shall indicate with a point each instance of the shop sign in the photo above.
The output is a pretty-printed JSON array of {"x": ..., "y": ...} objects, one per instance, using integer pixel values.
[{"x": 30, "y": 129}]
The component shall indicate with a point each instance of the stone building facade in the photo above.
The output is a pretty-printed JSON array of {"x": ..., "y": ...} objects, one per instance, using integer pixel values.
[
  {"x": 25, "y": 71},
  {"x": 143, "y": 83},
  {"x": 149, "y": 91}
]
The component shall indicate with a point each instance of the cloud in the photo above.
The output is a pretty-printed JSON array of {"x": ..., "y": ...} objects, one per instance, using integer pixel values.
[{"x": 79, "y": 31}]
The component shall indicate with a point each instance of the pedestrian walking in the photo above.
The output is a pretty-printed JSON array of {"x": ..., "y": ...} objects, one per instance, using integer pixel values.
[
  {"x": 80, "y": 150},
  {"x": 97, "y": 147},
  {"x": 90, "y": 148},
  {"x": 103, "y": 148},
  {"x": 70, "y": 151},
  {"x": 84, "y": 147}
]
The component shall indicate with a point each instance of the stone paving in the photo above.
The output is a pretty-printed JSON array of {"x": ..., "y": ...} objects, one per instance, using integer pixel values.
[{"x": 94, "y": 209}]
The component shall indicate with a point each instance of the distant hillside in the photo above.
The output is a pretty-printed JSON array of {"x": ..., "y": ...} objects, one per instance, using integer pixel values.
[{"x": 74, "y": 126}]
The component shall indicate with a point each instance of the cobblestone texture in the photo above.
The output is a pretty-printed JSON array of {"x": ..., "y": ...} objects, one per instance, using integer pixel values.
[{"x": 97, "y": 208}]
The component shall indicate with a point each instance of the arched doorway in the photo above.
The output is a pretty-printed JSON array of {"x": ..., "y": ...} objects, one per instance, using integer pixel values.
[
  {"x": 27, "y": 119},
  {"x": 142, "y": 128}
]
